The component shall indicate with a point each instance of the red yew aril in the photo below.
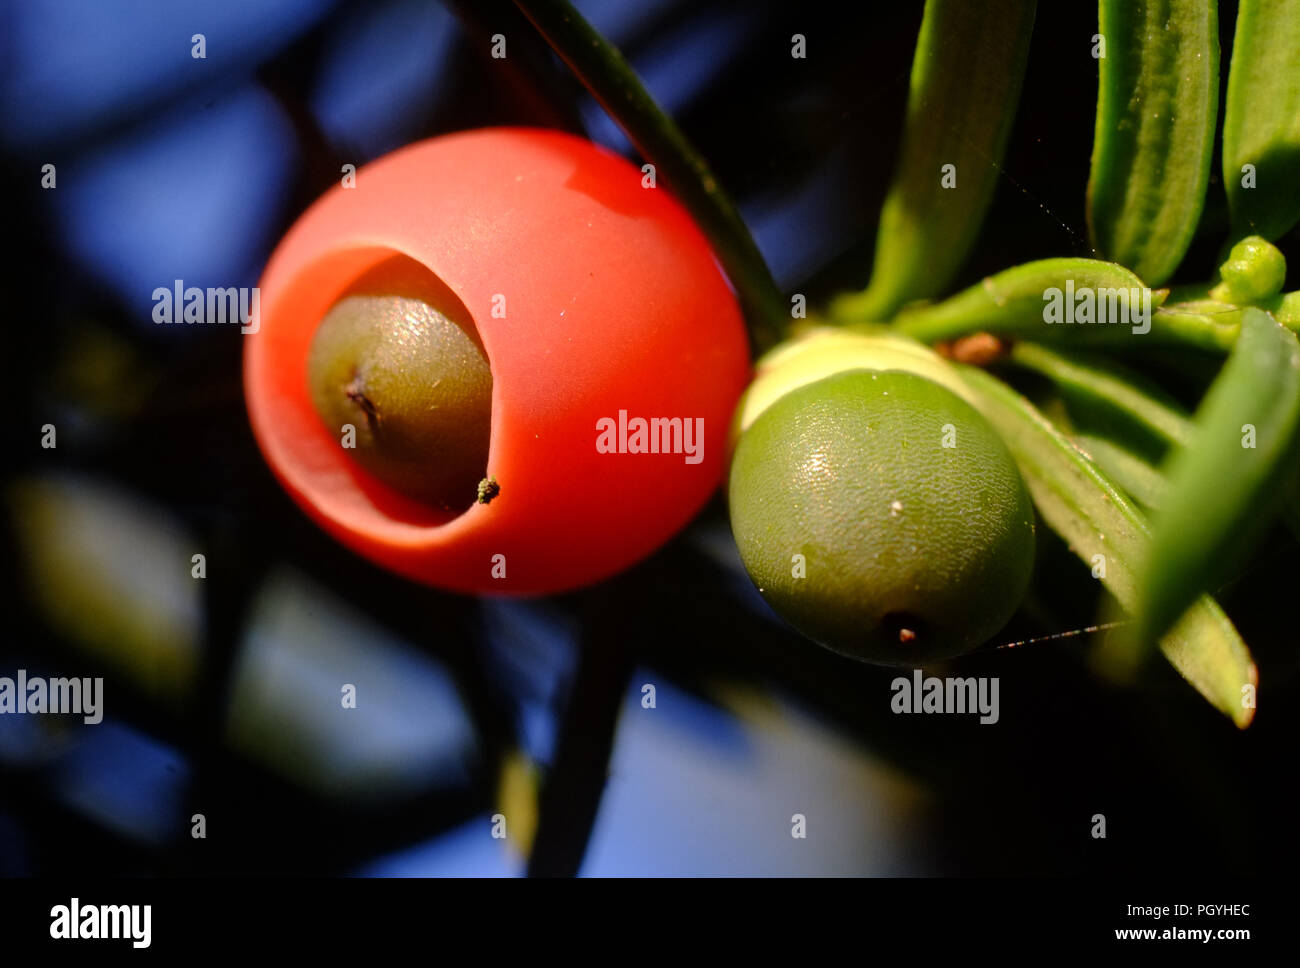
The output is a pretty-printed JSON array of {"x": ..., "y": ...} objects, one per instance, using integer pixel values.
[{"x": 595, "y": 299}]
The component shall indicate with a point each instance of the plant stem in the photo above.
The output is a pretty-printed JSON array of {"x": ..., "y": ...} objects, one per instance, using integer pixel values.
[{"x": 607, "y": 75}]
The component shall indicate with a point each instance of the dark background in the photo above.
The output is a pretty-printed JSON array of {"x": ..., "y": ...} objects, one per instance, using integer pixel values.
[{"x": 222, "y": 694}]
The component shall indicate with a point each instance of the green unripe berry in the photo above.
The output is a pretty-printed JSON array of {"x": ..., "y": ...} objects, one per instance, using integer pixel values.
[
  {"x": 1255, "y": 270},
  {"x": 880, "y": 515},
  {"x": 394, "y": 359}
]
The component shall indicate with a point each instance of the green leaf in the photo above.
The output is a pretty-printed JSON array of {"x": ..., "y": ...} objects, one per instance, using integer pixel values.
[
  {"x": 1122, "y": 426},
  {"x": 1131, "y": 417},
  {"x": 1140, "y": 479},
  {"x": 1094, "y": 517},
  {"x": 1156, "y": 106},
  {"x": 1261, "y": 119},
  {"x": 1104, "y": 387},
  {"x": 1014, "y": 303},
  {"x": 1285, "y": 309},
  {"x": 1201, "y": 324},
  {"x": 1236, "y": 470},
  {"x": 967, "y": 73}
]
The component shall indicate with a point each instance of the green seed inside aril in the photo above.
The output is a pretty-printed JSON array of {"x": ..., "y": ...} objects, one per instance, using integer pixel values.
[{"x": 400, "y": 361}]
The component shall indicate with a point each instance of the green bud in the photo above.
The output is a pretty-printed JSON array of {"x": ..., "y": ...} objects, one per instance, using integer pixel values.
[{"x": 1255, "y": 271}]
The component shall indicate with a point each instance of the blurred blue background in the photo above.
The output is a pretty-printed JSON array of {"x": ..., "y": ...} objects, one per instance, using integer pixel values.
[{"x": 523, "y": 718}]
